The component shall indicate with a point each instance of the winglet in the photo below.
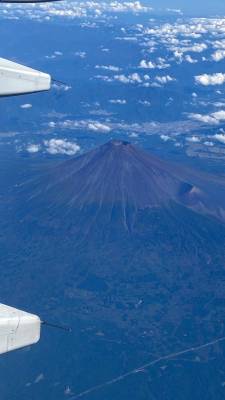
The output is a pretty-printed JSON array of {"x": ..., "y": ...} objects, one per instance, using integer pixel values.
[
  {"x": 18, "y": 79},
  {"x": 17, "y": 329}
]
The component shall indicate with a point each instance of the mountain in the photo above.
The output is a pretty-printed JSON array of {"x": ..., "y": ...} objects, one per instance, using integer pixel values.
[
  {"x": 129, "y": 251},
  {"x": 120, "y": 178}
]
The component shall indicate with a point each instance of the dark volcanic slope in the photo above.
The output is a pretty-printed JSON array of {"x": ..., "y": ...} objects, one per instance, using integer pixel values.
[{"x": 119, "y": 174}]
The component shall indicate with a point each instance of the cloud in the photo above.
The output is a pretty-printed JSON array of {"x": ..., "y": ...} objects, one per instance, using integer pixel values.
[
  {"x": 61, "y": 86},
  {"x": 90, "y": 125},
  {"x": 147, "y": 64},
  {"x": 161, "y": 64},
  {"x": 219, "y": 55},
  {"x": 98, "y": 127},
  {"x": 127, "y": 38},
  {"x": 206, "y": 119},
  {"x": 165, "y": 138},
  {"x": 164, "y": 79},
  {"x": 219, "y": 115},
  {"x": 133, "y": 135},
  {"x": 180, "y": 38},
  {"x": 183, "y": 127},
  {"x": 189, "y": 59},
  {"x": 61, "y": 146},
  {"x": 106, "y": 78},
  {"x": 33, "y": 148},
  {"x": 208, "y": 143},
  {"x": 73, "y": 10},
  {"x": 26, "y": 106},
  {"x": 220, "y": 137},
  {"x": 174, "y": 10},
  {"x": 54, "y": 55},
  {"x": 219, "y": 104},
  {"x": 193, "y": 139},
  {"x": 196, "y": 48},
  {"x": 219, "y": 44},
  {"x": 213, "y": 118},
  {"x": 118, "y": 101},
  {"x": 52, "y": 124},
  {"x": 133, "y": 6},
  {"x": 178, "y": 52},
  {"x": 207, "y": 80},
  {"x": 108, "y": 68},
  {"x": 81, "y": 54},
  {"x": 145, "y": 103},
  {"x": 39, "y": 378},
  {"x": 132, "y": 78}
]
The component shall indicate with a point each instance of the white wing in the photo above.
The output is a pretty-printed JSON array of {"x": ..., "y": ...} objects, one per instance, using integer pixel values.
[
  {"x": 17, "y": 329},
  {"x": 17, "y": 79}
]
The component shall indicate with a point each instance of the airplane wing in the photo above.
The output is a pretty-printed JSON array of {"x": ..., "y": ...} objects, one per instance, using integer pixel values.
[
  {"x": 17, "y": 79},
  {"x": 17, "y": 329}
]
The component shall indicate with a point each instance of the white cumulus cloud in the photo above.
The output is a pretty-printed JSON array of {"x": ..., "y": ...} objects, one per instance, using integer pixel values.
[
  {"x": 160, "y": 64},
  {"x": 219, "y": 55},
  {"x": 219, "y": 115},
  {"x": 207, "y": 80},
  {"x": 164, "y": 79},
  {"x": 33, "y": 148},
  {"x": 61, "y": 146},
  {"x": 132, "y": 78},
  {"x": 98, "y": 127},
  {"x": 190, "y": 60},
  {"x": 108, "y": 68},
  {"x": 193, "y": 139},
  {"x": 206, "y": 119},
  {"x": 220, "y": 137}
]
